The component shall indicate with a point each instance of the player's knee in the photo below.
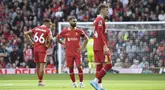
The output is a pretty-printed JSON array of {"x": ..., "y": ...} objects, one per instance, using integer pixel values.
[
  {"x": 108, "y": 66},
  {"x": 70, "y": 68},
  {"x": 79, "y": 67}
]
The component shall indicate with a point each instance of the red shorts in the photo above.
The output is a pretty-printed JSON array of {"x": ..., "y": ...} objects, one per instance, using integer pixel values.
[
  {"x": 100, "y": 57},
  {"x": 71, "y": 59},
  {"x": 40, "y": 57}
]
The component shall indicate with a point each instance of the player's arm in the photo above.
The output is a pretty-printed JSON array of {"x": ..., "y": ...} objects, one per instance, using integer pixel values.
[
  {"x": 103, "y": 38},
  {"x": 27, "y": 36},
  {"x": 50, "y": 40},
  {"x": 59, "y": 36},
  {"x": 105, "y": 48},
  {"x": 85, "y": 41}
]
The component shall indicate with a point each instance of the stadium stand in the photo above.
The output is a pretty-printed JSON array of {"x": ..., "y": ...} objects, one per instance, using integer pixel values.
[{"x": 17, "y": 16}]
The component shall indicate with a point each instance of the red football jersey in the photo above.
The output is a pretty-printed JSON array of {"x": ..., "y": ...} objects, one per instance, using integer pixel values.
[
  {"x": 40, "y": 35},
  {"x": 72, "y": 40},
  {"x": 99, "y": 33}
]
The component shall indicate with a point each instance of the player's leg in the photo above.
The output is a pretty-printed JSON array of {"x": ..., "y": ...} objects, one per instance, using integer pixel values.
[
  {"x": 36, "y": 60},
  {"x": 42, "y": 60},
  {"x": 42, "y": 68},
  {"x": 70, "y": 65},
  {"x": 103, "y": 71},
  {"x": 80, "y": 71},
  {"x": 99, "y": 66},
  {"x": 98, "y": 56},
  {"x": 38, "y": 69},
  {"x": 108, "y": 66}
]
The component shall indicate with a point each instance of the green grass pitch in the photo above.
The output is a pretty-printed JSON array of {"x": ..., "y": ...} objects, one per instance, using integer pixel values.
[{"x": 62, "y": 82}]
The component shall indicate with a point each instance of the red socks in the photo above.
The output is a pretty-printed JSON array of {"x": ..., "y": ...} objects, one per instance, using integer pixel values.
[
  {"x": 80, "y": 74},
  {"x": 40, "y": 78},
  {"x": 98, "y": 68},
  {"x": 103, "y": 71},
  {"x": 71, "y": 73}
]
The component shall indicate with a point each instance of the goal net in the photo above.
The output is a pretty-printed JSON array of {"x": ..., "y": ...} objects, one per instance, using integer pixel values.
[{"x": 136, "y": 47}]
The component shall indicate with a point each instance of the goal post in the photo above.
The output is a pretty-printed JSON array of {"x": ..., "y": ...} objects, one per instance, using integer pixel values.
[{"x": 138, "y": 32}]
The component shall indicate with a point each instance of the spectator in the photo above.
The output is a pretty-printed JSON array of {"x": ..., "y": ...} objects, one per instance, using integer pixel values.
[
  {"x": 135, "y": 64},
  {"x": 14, "y": 55},
  {"x": 118, "y": 63},
  {"x": 131, "y": 49},
  {"x": 8, "y": 65},
  {"x": 119, "y": 46},
  {"x": 126, "y": 63},
  {"x": 161, "y": 16},
  {"x": 9, "y": 47},
  {"x": 124, "y": 2},
  {"x": 28, "y": 53},
  {"x": 146, "y": 69},
  {"x": 143, "y": 63},
  {"x": 23, "y": 65},
  {"x": 4, "y": 53},
  {"x": 51, "y": 64},
  {"x": 28, "y": 56},
  {"x": 59, "y": 13},
  {"x": 17, "y": 16},
  {"x": 2, "y": 63}
]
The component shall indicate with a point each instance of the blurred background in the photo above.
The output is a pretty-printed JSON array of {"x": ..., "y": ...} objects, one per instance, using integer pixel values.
[{"x": 129, "y": 49}]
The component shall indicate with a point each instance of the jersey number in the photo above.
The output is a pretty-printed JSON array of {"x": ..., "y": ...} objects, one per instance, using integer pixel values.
[
  {"x": 96, "y": 34},
  {"x": 41, "y": 39}
]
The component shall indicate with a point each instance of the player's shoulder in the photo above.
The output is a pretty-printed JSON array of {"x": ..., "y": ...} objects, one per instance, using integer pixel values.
[
  {"x": 34, "y": 28},
  {"x": 42, "y": 28},
  {"x": 79, "y": 30},
  {"x": 99, "y": 17},
  {"x": 65, "y": 29},
  {"x": 98, "y": 20}
]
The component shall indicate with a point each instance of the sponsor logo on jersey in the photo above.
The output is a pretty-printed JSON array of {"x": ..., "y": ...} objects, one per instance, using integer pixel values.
[
  {"x": 72, "y": 39},
  {"x": 76, "y": 34},
  {"x": 100, "y": 23}
]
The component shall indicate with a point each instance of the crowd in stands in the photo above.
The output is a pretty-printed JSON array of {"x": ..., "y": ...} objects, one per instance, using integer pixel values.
[{"x": 140, "y": 49}]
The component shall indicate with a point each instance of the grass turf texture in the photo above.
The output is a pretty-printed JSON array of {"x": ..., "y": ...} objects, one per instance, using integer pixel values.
[{"x": 62, "y": 82}]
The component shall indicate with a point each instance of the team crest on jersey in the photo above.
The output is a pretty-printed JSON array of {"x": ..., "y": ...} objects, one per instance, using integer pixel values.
[
  {"x": 76, "y": 33},
  {"x": 100, "y": 23}
]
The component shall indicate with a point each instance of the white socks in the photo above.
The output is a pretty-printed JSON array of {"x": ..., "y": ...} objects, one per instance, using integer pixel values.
[
  {"x": 100, "y": 85},
  {"x": 96, "y": 80}
]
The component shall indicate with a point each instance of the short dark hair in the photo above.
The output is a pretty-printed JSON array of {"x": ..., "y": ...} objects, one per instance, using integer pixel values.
[
  {"x": 101, "y": 6},
  {"x": 47, "y": 20},
  {"x": 72, "y": 17}
]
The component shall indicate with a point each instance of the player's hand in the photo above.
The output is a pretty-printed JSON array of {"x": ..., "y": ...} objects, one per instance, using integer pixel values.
[
  {"x": 32, "y": 44},
  {"x": 47, "y": 46},
  {"x": 81, "y": 49},
  {"x": 63, "y": 45},
  {"x": 106, "y": 50}
]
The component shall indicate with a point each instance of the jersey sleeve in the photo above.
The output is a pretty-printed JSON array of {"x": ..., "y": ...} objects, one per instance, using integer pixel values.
[
  {"x": 99, "y": 25},
  {"x": 82, "y": 33},
  {"x": 61, "y": 34},
  {"x": 33, "y": 30},
  {"x": 104, "y": 38}
]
